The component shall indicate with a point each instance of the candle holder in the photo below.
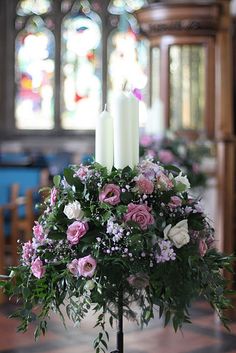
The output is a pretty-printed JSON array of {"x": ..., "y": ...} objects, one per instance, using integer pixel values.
[{"x": 120, "y": 334}]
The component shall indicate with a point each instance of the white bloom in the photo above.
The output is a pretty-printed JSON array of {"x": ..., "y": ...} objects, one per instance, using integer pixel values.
[
  {"x": 178, "y": 234},
  {"x": 182, "y": 182},
  {"x": 89, "y": 285},
  {"x": 73, "y": 210}
]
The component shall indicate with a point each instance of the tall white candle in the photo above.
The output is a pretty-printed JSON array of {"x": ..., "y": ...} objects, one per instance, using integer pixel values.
[
  {"x": 155, "y": 122},
  {"x": 123, "y": 155},
  {"x": 104, "y": 140},
  {"x": 134, "y": 129}
]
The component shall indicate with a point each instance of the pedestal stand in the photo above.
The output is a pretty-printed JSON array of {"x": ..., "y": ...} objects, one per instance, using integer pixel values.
[{"x": 120, "y": 335}]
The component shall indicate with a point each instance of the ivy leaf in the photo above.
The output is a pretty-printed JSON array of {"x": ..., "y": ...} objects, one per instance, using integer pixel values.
[
  {"x": 69, "y": 176},
  {"x": 57, "y": 180}
]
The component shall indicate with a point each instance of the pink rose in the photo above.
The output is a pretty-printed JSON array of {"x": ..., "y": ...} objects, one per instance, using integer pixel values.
[
  {"x": 53, "y": 196},
  {"x": 145, "y": 186},
  {"x": 175, "y": 201},
  {"x": 110, "y": 194},
  {"x": 163, "y": 182},
  {"x": 38, "y": 232},
  {"x": 37, "y": 268},
  {"x": 27, "y": 252},
  {"x": 166, "y": 156},
  {"x": 202, "y": 247},
  {"x": 140, "y": 280},
  {"x": 139, "y": 214},
  {"x": 75, "y": 231},
  {"x": 73, "y": 267},
  {"x": 87, "y": 266}
]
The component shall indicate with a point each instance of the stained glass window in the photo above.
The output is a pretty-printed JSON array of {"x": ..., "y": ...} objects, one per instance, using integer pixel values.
[
  {"x": 34, "y": 76},
  {"x": 187, "y": 86},
  {"x": 81, "y": 71},
  {"x": 127, "y": 69},
  {"x": 38, "y": 7}
]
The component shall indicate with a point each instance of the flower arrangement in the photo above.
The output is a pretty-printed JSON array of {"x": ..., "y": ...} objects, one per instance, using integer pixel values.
[
  {"x": 131, "y": 230},
  {"x": 173, "y": 149}
]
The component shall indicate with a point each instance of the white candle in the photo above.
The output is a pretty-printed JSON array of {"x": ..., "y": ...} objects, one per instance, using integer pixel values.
[
  {"x": 123, "y": 154},
  {"x": 104, "y": 140},
  {"x": 134, "y": 128},
  {"x": 155, "y": 122}
]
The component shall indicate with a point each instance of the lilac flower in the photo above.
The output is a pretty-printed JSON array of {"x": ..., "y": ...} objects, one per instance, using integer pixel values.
[
  {"x": 114, "y": 229},
  {"x": 166, "y": 251}
]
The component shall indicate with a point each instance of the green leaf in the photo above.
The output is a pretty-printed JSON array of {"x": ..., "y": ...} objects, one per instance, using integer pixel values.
[
  {"x": 69, "y": 176},
  {"x": 55, "y": 235},
  {"x": 57, "y": 180},
  {"x": 167, "y": 317}
]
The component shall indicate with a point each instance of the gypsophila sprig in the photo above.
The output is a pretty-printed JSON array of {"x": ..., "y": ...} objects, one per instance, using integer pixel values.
[{"x": 135, "y": 229}]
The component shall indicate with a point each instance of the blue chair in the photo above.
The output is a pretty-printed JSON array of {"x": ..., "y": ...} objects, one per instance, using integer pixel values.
[{"x": 19, "y": 189}]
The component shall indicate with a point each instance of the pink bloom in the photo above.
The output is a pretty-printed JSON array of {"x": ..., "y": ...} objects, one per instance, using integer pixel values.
[
  {"x": 27, "y": 252},
  {"x": 73, "y": 267},
  {"x": 202, "y": 247},
  {"x": 166, "y": 156},
  {"x": 110, "y": 194},
  {"x": 37, "y": 268},
  {"x": 139, "y": 214},
  {"x": 38, "y": 232},
  {"x": 175, "y": 201},
  {"x": 146, "y": 140},
  {"x": 75, "y": 231},
  {"x": 163, "y": 182},
  {"x": 53, "y": 196},
  {"x": 82, "y": 172},
  {"x": 145, "y": 186},
  {"x": 87, "y": 266}
]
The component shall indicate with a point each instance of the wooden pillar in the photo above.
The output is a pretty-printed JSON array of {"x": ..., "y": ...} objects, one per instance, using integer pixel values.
[{"x": 224, "y": 131}]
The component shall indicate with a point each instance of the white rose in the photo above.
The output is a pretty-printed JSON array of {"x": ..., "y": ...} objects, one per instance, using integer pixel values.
[
  {"x": 73, "y": 210},
  {"x": 182, "y": 183},
  {"x": 178, "y": 234}
]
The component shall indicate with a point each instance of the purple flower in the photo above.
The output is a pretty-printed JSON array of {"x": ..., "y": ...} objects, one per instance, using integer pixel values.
[
  {"x": 146, "y": 140},
  {"x": 76, "y": 231},
  {"x": 110, "y": 194},
  {"x": 137, "y": 93},
  {"x": 27, "y": 252},
  {"x": 166, "y": 251},
  {"x": 37, "y": 268}
]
